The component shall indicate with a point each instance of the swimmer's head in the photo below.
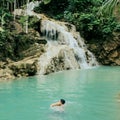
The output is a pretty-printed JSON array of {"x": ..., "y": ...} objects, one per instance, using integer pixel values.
[{"x": 62, "y": 101}]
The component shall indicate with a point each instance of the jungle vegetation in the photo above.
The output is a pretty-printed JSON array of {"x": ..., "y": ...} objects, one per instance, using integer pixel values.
[{"x": 94, "y": 19}]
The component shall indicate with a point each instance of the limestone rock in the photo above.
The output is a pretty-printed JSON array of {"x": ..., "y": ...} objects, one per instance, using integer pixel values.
[
  {"x": 108, "y": 52},
  {"x": 65, "y": 61},
  {"x": 6, "y": 74},
  {"x": 22, "y": 68},
  {"x": 61, "y": 59}
]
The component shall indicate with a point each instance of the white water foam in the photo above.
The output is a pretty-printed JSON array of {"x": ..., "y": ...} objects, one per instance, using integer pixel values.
[{"x": 58, "y": 31}]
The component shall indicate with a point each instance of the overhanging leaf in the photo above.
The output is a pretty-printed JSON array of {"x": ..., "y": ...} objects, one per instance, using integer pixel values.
[
  {"x": 1, "y": 29},
  {"x": 46, "y": 1}
]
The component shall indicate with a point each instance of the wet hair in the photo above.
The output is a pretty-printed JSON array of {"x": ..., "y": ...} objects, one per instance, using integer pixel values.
[{"x": 62, "y": 101}]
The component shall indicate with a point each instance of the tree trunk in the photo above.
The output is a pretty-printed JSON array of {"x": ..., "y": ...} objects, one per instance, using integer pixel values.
[
  {"x": 14, "y": 8},
  {"x": 27, "y": 17}
]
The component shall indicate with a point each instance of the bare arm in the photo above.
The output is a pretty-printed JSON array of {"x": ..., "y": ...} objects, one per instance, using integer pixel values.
[{"x": 55, "y": 104}]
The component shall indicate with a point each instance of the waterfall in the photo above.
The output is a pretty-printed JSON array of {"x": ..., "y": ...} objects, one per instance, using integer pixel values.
[{"x": 60, "y": 33}]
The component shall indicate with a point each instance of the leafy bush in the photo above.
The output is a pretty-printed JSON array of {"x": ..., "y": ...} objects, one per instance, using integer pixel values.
[
  {"x": 5, "y": 17},
  {"x": 12, "y": 45},
  {"x": 117, "y": 28},
  {"x": 83, "y": 5},
  {"x": 84, "y": 15},
  {"x": 53, "y": 9},
  {"x": 6, "y": 45}
]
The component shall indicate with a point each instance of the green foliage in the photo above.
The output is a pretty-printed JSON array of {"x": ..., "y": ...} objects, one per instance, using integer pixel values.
[
  {"x": 6, "y": 45},
  {"x": 12, "y": 45},
  {"x": 46, "y": 1},
  {"x": 84, "y": 15},
  {"x": 5, "y": 17},
  {"x": 2, "y": 38},
  {"x": 82, "y": 5},
  {"x": 117, "y": 28},
  {"x": 54, "y": 9},
  {"x": 34, "y": 23},
  {"x": 23, "y": 19},
  {"x": 1, "y": 29},
  {"x": 92, "y": 27},
  {"x": 108, "y": 6}
]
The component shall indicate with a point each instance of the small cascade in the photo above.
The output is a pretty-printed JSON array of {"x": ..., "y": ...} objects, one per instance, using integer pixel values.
[
  {"x": 60, "y": 33},
  {"x": 31, "y": 6}
]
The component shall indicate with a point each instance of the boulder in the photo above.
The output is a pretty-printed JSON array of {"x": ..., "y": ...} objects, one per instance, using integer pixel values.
[{"x": 21, "y": 68}]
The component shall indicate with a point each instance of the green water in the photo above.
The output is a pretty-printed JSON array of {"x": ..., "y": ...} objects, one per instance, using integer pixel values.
[{"x": 90, "y": 95}]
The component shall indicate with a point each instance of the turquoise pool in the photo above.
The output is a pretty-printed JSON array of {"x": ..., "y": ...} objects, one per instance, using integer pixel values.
[{"x": 92, "y": 94}]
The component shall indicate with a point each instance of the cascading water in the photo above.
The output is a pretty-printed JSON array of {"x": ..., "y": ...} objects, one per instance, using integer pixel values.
[
  {"x": 65, "y": 34},
  {"x": 31, "y": 6}
]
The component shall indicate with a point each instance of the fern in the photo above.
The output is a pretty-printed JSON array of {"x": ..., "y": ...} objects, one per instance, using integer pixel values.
[{"x": 108, "y": 7}]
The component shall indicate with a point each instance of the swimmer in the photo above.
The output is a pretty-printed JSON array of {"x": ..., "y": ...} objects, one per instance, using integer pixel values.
[{"x": 61, "y": 102}]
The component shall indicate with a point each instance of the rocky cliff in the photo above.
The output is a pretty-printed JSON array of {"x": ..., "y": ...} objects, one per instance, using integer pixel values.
[{"x": 108, "y": 51}]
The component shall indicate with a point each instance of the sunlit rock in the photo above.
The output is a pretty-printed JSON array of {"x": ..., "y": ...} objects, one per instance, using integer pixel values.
[{"x": 57, "y": 58}]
